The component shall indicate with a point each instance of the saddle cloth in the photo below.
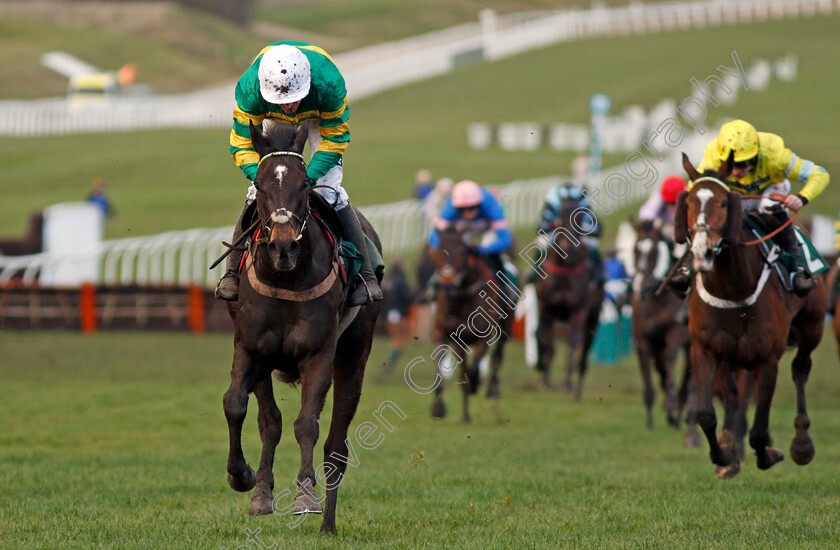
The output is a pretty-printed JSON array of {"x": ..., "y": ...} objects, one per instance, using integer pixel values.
[{"x": 809, "y": 257}]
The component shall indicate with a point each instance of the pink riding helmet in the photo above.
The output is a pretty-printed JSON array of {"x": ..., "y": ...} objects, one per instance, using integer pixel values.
[{"x": 465, "y": 194}]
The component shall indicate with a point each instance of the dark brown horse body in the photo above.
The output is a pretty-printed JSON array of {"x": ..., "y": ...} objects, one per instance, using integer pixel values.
[
  {"x": 658, "y": 330},
  {"x": 569, "y": 303},
  {"x": 298, "y": 336},
  {"x": 739, "y": 320},
  {"x": 469, "y": 314}
]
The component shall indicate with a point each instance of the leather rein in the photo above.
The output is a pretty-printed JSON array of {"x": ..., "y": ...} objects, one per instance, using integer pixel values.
[{"x": 778, "y": 197}]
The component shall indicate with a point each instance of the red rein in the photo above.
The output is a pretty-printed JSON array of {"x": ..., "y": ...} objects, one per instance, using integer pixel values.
[
  {"x": 778, "y": 197},
  {"x": 560, "y": 270}
]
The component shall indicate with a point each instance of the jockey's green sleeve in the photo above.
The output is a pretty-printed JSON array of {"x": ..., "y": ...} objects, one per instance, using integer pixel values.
[
  {"x": 776, "y": 163},
  {"x": 326, "y": 102}
]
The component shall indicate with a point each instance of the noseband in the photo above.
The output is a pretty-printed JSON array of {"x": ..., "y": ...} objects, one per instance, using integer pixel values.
[
  {"x": 283, "y": 216},
  {"x": 703, "y": 226}
]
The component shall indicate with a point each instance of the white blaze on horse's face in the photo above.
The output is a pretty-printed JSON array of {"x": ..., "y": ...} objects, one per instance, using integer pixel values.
[
  {"x": 645, "y": 246},
  {"x": 700, "y": 242},
  {"x": 280, "y": 172}
]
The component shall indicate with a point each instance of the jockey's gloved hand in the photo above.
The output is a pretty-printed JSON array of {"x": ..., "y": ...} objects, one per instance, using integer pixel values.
[{"x": 311, "y": 182}]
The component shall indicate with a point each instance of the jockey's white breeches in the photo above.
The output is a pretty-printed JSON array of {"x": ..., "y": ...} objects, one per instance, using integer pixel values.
[
  {"x": 332, "y": 190},
  {"x": 764, "y": 205}
]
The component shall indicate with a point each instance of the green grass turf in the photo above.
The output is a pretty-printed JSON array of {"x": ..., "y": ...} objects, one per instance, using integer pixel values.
[
  {"x": 179, "y": 179},
  {"x": 118, "y": 440}
]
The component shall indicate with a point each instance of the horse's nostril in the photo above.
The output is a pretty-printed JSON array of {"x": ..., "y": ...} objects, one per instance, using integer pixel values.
[
  {"x": 273, "y": 249},
  {"x": 294, "y": 248}
]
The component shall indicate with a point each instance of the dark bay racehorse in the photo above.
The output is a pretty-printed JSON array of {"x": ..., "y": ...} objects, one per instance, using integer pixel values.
[
  {"x": 468, "y": 314},
  {"x": 739, "y": 319},
  {"x": 569, "y": 301},
  {"x": 831, "y": 281},
  {"x": 290, "y": 320},
  {"x": 658, "y": 329}
]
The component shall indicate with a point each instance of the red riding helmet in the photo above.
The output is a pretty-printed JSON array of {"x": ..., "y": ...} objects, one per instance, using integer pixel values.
[{"x": 671, "y": 187}]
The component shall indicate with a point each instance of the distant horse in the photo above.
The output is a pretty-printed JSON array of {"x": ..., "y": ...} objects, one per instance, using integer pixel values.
[
  {"x": 832, "y": 282},
  {"x": 467, "y": 315},
  {"x": 569, "y": 301},
  {"x": 739, "y": 318},
  {"x": 658, "y": 331},
  {"x": 30, "y": 243},
  {"x": 291, "y": 319}
]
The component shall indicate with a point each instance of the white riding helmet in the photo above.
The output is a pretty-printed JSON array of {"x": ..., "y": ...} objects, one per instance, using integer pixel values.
[{"x": 284, "y": 75}]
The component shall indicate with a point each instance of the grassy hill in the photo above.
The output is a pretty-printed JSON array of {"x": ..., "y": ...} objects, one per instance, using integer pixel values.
[{"x": 169, "y": 179}]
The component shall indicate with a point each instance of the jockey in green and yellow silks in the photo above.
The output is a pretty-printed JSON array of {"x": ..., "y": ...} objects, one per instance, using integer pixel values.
[
  {"x": 298, "y": 83},
  {"x": 764, "y": 165}
]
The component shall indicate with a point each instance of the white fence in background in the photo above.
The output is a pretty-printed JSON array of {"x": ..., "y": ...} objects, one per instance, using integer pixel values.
[
  {"x": 183, "y": 257},
  {"x": 378, "y": 68}
]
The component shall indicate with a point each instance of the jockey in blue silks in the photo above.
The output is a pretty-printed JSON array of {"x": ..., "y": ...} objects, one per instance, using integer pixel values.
[
  {"x": 554, "y": 200},
  {"x": 480, "y": 210}
]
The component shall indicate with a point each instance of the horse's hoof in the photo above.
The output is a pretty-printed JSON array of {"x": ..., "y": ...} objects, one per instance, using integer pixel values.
[
  {"x": 773, "y": 455},
  {"x": 692, "y": 439},
  {"x": 261, "y": 505},
  {"x": 802, "y": 450},
  {"x": 673, "y": 418},
  {"x": 327, "y": 529},
  {"x": 493, "y": 393},
  {"x": 728, "y": 472},
  {"x": 438, "y": 409},
  {"x": 307, "y": 503},
  {"x": 244, "y": 483}
]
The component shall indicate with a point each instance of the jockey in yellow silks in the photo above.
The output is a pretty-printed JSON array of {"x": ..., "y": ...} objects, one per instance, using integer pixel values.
[{"x": 763, "y": 165}]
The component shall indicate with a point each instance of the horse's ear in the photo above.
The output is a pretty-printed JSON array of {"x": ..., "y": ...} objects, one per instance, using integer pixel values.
[
  {"x": 300, "y": 139},
  {"x": 681, "y": 216},
  {"x": 689, "y": 168},
  {"x": 734, "y": 217},
  {"x": 726, "y": 168},
  {"x": 258, "y": 139}
]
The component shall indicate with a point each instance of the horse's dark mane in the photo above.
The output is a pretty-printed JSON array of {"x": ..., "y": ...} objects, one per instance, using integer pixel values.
[{"x": 279, "y": 136}]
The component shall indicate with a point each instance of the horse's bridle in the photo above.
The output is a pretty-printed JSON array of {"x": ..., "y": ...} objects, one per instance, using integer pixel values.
[
  {"x": 282, "y": 216},
  {"x": 716, "y": 249}
]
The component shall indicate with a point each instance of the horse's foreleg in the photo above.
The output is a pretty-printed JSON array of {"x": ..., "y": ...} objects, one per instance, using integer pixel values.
[
  {"x": 545, "y": 349},
  {"x": 587, "y": 337},
  {"x": 728, "y": 390},
  {"x": 802, "y": 448},
  {"x": 648, "y": 395},
  {"x": 665, "y": 362},
  {"x": 270, "y": 423},
  {"x": 809, "y": 323},
  {"x": 469, "y": 379},
  {"x": 240, "y": 476},
  {"x": 688, "y": 401},
  {"x": 703, "y": 372},
  {"x": 316, "y": 377},
  {"x": 495, "y": 365},
  {"x": 438, "y": 406},
  {"x": 347, "y": 389},
  {"x": 746, "y": 389},
  {"x": 760, "y": 440}
]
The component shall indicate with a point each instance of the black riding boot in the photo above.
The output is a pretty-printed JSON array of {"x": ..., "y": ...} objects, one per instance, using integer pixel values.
[
  {"x": 680, "y": 281},
  {"x": 228, "y": 286},
  {"x": 801, "y": 280},
  {"x": 368, "y": 291}
]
